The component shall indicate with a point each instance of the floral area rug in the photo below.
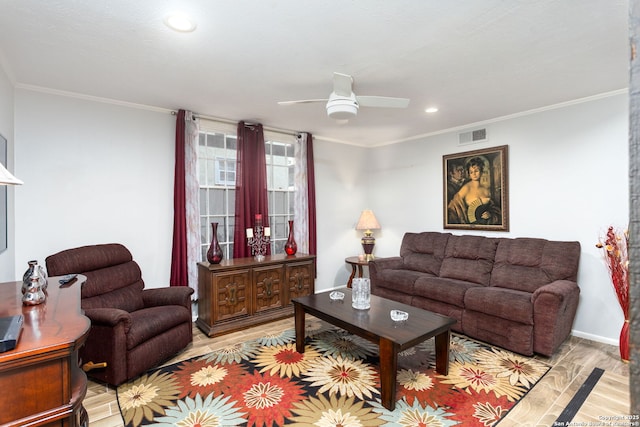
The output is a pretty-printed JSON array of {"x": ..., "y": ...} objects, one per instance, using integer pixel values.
[{"x": 265, "y": 382}]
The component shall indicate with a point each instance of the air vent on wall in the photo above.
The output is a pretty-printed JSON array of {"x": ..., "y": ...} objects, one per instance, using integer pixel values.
[{"x": 472, "y": 136}]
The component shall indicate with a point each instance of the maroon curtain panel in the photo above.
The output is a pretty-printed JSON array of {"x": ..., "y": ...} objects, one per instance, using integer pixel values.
[
  {"x": 311, "y": 194},
  {"x": 179, "y": 274},
  {"x": 251, "y": 185}
]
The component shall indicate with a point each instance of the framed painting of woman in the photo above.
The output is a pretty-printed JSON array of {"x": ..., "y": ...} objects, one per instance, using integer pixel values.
[{"x": 475, "y": 190}]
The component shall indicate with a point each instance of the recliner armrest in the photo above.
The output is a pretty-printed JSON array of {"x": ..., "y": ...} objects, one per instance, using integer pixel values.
[
  {"x": 173, "y": 295},
  {"x": 108, "y": 317}
]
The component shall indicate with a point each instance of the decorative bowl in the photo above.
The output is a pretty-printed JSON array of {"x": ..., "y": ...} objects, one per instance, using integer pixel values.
[
  {"x": 398, "y": 315},
  {"x": 336, "y": 296}
]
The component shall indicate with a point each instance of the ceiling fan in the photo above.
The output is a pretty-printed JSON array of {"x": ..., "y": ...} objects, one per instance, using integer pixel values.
[{"x": 344, "y": 104}]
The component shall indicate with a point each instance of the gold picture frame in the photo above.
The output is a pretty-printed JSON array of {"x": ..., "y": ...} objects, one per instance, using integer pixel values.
[{"x": 476, "y": 189}]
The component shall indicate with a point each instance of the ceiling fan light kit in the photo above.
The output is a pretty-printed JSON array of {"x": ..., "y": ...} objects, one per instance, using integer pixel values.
[
  {"x": 342, "y": 108},
  {"x": 343, "y": 104}
]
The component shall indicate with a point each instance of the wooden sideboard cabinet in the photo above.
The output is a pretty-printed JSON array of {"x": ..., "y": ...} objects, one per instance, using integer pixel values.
[
  {"x": 41, "y": 381},
  {"x": 239, "y": 293}
]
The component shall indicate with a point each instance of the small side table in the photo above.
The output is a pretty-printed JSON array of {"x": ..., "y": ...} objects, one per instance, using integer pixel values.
[{"x": 355, "y": 262}]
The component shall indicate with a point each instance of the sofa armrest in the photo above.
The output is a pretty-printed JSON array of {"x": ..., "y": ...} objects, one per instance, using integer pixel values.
[
  {"x": 378, "y": 264},
  {"x": 554, "y": 309},
  {"x": 108, "y": 317},
  {"x": 173, "y": 295}
]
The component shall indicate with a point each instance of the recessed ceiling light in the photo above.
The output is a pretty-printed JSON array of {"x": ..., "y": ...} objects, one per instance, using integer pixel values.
[
  {"x": 431, "y": 110},
  {"x": 180, "y": 22}
]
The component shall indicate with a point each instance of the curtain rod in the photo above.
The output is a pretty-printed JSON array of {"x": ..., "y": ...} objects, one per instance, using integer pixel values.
[{"x": 217, "y": 119}]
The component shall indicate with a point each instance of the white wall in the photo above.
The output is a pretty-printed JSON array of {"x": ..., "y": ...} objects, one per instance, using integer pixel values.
[
  {"x": 341, "y": 194},
  {"x": 568, "y": 171},
  {"x": 93, "y": 173},
  {"x": 7, "y": 272}
]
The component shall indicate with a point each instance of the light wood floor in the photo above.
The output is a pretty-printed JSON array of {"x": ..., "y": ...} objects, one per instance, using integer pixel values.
[{"x": 572, "y": 364}]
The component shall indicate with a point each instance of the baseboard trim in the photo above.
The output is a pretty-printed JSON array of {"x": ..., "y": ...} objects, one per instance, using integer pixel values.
[{"x": 596, "y": 338}]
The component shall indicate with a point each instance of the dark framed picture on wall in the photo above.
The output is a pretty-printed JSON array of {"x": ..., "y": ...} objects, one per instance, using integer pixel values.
[{"x": 476, "y": 190}]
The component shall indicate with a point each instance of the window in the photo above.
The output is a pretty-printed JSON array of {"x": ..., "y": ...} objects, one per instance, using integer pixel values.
[
  {"x": 217, "y": 155},
  {"x": 225, "y": 172},
  {"x": 217, "y": 177},
  {"x": 280, "y": 186}
]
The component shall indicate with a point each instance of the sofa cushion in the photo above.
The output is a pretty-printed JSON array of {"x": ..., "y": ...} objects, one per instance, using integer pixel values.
[
  {"x": 153, "y": 321},
  {"x": 469, "y": 258},
  {"x": 526, "y": 264},
  {"x": 500, "y": 302},
  {"x": 424, "y": 251},
  {"x": 450, "y": 291}
]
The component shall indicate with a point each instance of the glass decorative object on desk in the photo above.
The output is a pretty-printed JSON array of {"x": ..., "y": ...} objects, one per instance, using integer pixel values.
[
  {"x": 34, "y": 292},
  {"x": 38, "y": 270},
  {"x": 361, "y": 293}
]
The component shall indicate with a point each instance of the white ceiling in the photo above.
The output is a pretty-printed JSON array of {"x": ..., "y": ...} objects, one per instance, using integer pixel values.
[{"x": 475, "y": 59}]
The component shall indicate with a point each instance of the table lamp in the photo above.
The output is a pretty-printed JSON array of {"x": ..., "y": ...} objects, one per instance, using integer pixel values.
[{"x": 368, "y": 222}]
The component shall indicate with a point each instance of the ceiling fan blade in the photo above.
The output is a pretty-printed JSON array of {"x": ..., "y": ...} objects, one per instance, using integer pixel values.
[
  {"x": 342, "y": 84},
  {"x": 382, "y": 101},
  {"x": 301, "y": 101}
]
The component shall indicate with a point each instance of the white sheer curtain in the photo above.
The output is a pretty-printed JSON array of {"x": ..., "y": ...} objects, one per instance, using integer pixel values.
[
  {"x": 191, "y": 131},
  {"x": 301, "y": 198}
]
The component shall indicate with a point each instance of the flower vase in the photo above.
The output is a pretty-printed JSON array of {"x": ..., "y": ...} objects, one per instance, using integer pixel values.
[
  {"x": 624, "y": 341},
  {"x": 291, "y": 247},
  {"x": 214, "y": 254}
]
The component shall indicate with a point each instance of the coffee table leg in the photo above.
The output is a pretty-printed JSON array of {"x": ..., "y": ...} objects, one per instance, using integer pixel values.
[
  {"x": 299, "y": 319},
  {"x": 442, "y": 352},
  {"x": 388, "y": 371}
]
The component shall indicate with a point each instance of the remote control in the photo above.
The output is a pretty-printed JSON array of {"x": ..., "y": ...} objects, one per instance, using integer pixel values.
[{"x": 67, "y": 280}]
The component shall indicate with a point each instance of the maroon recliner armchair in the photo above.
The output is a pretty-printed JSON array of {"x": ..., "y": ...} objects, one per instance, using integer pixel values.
[{"x": 132, "y": 329}]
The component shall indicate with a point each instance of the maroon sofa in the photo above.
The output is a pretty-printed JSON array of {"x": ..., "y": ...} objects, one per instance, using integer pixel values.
[{"x": 520, "y": 294}]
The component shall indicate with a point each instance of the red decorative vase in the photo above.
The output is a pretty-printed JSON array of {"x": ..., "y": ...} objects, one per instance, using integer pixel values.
[
  {"x": 624, "y": 342},
  {"x": 214, "y": 254},
  {"x": 291, "y": 247}
]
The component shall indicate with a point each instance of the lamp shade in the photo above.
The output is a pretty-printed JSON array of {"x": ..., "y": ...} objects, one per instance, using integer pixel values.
[
  {"x": 367, "y": 221},
  {"x": 6, "y": 178}
]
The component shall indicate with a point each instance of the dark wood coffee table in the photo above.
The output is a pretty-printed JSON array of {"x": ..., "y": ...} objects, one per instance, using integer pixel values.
[{"x": 375, "y": 325}]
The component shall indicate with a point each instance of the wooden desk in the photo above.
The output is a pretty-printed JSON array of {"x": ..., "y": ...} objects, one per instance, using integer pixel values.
[
  {"x": 41, "y": 381},
  {"x": 355, "y": 262}
]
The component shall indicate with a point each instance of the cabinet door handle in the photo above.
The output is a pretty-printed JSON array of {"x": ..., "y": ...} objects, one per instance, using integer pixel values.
[
  {"x": 232, "y": 293},
  {"x": 269, "y": 285},
  {"x": 300, "y": 282}
]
